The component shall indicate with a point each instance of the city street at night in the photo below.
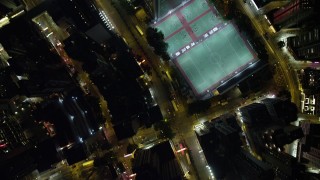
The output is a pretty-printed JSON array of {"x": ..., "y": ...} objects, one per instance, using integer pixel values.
[{"x": 160, "y": 90}]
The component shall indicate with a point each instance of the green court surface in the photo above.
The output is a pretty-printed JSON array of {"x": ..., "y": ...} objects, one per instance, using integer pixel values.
[
  {"x": 196, "y": 8},
  {"x": 215, "y": 58},
  {"x": 206, "y": 22},
  {"x": 169, "y": 26},
  {"x": 178, "y": 41}
]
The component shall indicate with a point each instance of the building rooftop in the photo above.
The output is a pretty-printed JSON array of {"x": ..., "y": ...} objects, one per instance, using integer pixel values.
[{"x": 157, "y": 163}]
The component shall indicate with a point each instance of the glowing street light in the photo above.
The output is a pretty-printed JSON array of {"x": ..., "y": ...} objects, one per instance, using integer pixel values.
[{"x": 181, "y": 150}]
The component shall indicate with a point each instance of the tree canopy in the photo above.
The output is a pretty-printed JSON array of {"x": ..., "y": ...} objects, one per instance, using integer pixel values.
[
  {"x": 165, "y": 129},
  {"x": 155, "y": 39}
]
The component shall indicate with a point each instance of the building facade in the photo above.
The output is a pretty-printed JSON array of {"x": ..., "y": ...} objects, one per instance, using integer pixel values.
[
  {"x": 295, "y": 14},
  {"x": 305, "y": 46},
  {"x": 308, "y": 150}
]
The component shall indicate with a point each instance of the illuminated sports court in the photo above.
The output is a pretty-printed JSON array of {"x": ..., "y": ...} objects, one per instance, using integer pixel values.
[{"x": 207, "y": 50}]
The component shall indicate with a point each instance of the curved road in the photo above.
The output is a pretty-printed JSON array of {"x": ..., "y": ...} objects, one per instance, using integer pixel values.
[{"x": 262, "y": 27}]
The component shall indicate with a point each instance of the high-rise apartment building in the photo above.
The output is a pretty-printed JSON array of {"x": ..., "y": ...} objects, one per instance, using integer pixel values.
[
  {"x": 160, "y": 8},
  {"x": 296, "y": 13},
  {"x": 305, "y": 46},
  {"x": 11, "y": 134},
  {"x": 158, "y": 162},
  {"x": 308, "y": 150}
]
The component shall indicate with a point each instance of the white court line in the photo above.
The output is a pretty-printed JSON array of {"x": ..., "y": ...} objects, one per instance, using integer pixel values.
[
  {"x": 217, "y": 61},
  {"x": 241, "y": 41},
  {"x": 230, "y": 44},
  {"x": 190, "y": 72},
  {"x": 203, "y": 80}
]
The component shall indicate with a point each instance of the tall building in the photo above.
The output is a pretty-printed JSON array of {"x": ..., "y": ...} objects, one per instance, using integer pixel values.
[
  {"x": 11, "y": 134},
  {"x": 8, "y": 88},
  {"x": 159, "y": 8},
  {"x": 218, "y": 140},
  {"x": 308, "y": 150},
  {"x": 268, "y": 130},
  {"x": 305, "y": 46},
  {"x": 82, "y": 13},
  {"x": 46, "y": 82},
  {"x": 4, "y": 57},
  {"x": 268, "y": 124},
  {"x": 296, "y": 13},
  {"x": 115, "y": 75},
  {"x": 311, "y": 85},
  {"x": 282, "y": 111},
  {"x": 252, "y": 168},
  {"x": 284, "y": 165},
  {"x": 158, "y": 163},
  {"x": 221, "y": 147},
  {"x": 255, "y": 114},
  {"x": 276, "y": 137}
]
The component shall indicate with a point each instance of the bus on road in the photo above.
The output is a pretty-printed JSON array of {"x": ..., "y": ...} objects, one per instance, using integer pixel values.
[
  {"x": 139, "y": 30},
  {"x": 174, "y": 104}
]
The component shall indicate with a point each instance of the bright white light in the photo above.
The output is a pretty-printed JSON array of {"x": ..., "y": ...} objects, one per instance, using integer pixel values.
[
  {"x": 271, "y": 96},
  {"x": 106, "y": 20},
  {"x": 4, "y": 21},
  {"x": 180, "y": 150},
  {"x": 149, "y": 146},
  {"x": 127, "y": 155},
  {"x": 17, "y": 14},
  {"x": 50, "y": 34},
  {"x": 254, "y": 4}
]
